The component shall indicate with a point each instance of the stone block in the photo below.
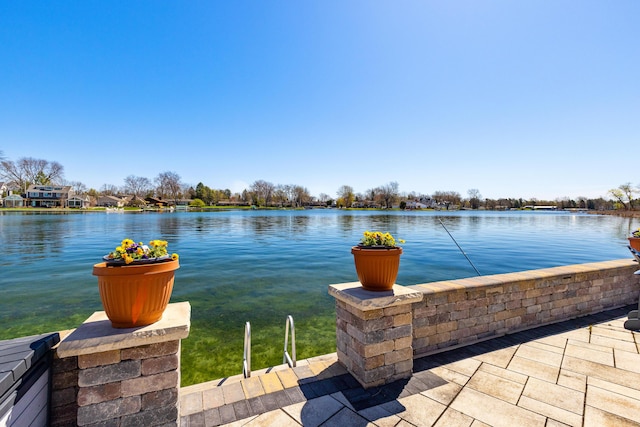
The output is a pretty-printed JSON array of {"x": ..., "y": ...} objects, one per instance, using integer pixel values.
[
  {"x": 160, "y": 417},
  {"x": 424, "y": 331},
  {"x": 508, "y": 314},
  {"x": 64, "y": 364},
  {"x": 440, "y": 318},
  {"x": 510, "y": 305},
  {"x": 108, "y": 410},
  {"x": 534, "y": 309},
  {"x": 446, "y": 327},
  {"x": 421, "y": 344},
  {"x": 467, "y": 323},
  {"x": 393, "y": 334},
  {"x": 98, "y": 359},
  {"x": 369, "y": 314},
  {"x": 396, "y": 356},
  {"x": 142, "y": 385},
  {"x": 356, "y": 350},
  {"x": 441, "y": 337},
  {"x": 403, "y": 369},
  {"x": 342, "y": 312},
  {"x": 402, "y": 343},
  {"x": 379, "y": 348},
  {"x": 419, "y": 322},
  {"x": 476, "y": 294},
  {"x": 458, "y": 295},
  {"x": 374, "y": 362},
  {"x": 402, "y": 319},
  {"x": 460, "y": 333},
  {"x": 151, "y": 350},
  {"x": 437, "y": 299},
  {"x": 459, "y": 314},
  {"x": 420, "y": 310},
  {"x": 445, "y": 308},
  {"x": 378, "y": 374},
  {"x": 159, "y": 399},
  {"x": 344, "y": 359},
  {"x": 375, "y": 324},
  {"x": 63, "y": 397},
  {"x": 65, "y": 415},
  {"x": 494, "y": 308},
  {"x": 109, "y": 373},
  {"x": 98, "y": 394},
  {"x": 396, "y": 309},
  {"x": 66, "y": 379},
  {"x": 157, "y": 365}
]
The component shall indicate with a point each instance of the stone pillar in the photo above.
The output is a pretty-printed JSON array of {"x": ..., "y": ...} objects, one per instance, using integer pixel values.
[
  {"x": 374, "y": 332},
  {"x": 105, "y": 376}
]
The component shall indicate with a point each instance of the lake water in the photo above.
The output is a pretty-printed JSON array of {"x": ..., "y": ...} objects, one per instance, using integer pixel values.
[{"x": 261, "y": 266}]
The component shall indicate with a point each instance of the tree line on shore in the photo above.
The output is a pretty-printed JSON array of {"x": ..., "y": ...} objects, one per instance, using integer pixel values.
[{"x": 168, "y": 185}]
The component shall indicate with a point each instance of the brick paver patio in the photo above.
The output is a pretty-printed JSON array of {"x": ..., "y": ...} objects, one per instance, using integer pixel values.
[{"x": 582, "y": 372}]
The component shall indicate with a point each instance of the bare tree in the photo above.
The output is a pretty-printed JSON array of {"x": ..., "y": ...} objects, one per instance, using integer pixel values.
[
  {"x": 109, "y": 190},
  {"x": 137, "y": 185},
  {"x": 345, "y": 196},
  {"x": 263, "y": 192},
  {"x": 168, "y": 186},
  {"x": 389, "y": 193},
  {"x": 619, "y": 196},
  {"x": 280, "y": 195},
  {"x": 474, "y": 198},
  {"x": 324, "y": 198},
  {"x": 300, "y": 195},
  {"x": 27, "y": 171},
  {"x": 78, "y": 187},
  {"x": 629, "y": 193},
  {"x": 447, "y": 197}
]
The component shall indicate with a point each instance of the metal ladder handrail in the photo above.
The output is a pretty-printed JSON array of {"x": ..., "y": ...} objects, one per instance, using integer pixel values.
[
  {"x": 246, "y": 356},
  {"x": 286, "y": 358}
]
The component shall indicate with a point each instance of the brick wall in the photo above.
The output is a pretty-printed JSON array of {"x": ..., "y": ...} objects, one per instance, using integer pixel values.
[
  {"x": 375, "y": 345},
  {"x": 132, "y": 386},
  {"x": 64, "y": 391},
  {"x": 105, "y": 376},
  {"x": 460, "y": 312}
]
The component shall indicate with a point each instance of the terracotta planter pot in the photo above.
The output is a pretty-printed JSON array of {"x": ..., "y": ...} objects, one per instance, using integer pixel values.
[
  {"x": 135, "y": 295},
  {"x": 377, "y": 268},
  {"x": 634, "y": 242}
]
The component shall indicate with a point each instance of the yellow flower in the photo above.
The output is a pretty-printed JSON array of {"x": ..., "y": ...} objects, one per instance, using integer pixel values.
[{"x": 174, "y": 257}]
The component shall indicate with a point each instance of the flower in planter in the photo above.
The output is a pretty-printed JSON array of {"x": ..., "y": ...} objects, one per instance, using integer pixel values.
[
  {"x": 635, "y": 233},
  {"x": 129, "y": 251},
  {"x": 379, "y": 239}
]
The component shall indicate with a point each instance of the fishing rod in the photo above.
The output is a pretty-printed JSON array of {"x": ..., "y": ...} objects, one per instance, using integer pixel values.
[{"x": 454, "y": 241}]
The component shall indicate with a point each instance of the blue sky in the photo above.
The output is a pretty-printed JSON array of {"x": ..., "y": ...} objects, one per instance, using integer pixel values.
[{"x": 533, "y": 99}]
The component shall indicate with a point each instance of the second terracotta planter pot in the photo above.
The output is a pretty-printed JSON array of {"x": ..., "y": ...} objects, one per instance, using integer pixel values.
[{"x": 377, "y": 268}]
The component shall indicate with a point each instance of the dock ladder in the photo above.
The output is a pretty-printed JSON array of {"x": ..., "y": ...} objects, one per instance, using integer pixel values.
[
  {"x": 286, "y": 358},
  {"x": 289, "y": 359},
  {"x": 246, "y": 356}
]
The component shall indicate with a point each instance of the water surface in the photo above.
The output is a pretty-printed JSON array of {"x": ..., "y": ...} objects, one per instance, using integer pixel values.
[{"x": 261, "y": 266}]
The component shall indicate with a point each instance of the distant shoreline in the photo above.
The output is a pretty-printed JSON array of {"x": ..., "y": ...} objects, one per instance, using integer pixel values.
[
  {"x": 620, "y": 213},
  {"x": 624, "y": 214}
]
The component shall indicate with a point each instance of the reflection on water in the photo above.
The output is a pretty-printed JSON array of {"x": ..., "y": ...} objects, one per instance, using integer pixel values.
[{"x": 260, "y": 266}]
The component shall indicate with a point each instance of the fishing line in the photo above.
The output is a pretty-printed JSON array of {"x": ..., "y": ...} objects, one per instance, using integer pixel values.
[{"x": 454, "y": 241}]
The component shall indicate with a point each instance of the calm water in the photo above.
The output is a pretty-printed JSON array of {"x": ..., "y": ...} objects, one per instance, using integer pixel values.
[{"x": 261, "y": 266}]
